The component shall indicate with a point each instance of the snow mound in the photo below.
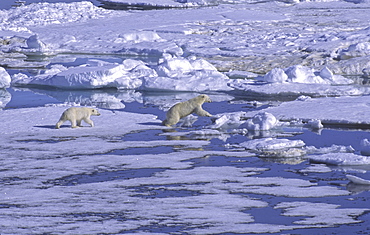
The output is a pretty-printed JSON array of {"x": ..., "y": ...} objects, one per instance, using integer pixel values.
[
  {"x": 57, "y": 13},
  {"x": 182, "y": 74},
  {"x": 303, "y": 74},
  {"x": 261, "y": 122}
]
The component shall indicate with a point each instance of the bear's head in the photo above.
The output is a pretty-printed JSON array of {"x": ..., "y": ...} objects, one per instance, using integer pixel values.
[
  {"x": 95, "y": 112},
  {"x": 205, "y": 98}
]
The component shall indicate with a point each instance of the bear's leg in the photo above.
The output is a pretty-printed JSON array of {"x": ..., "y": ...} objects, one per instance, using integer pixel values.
[
  {"x": 89, "y": 121},
  {"x": 57, "y": 126},
  {"x": 73, "y": 123},
  {"x": 79, "y": 122},
  {"x": 201, "y": 112},
  {"x": 172, "y": 121}
]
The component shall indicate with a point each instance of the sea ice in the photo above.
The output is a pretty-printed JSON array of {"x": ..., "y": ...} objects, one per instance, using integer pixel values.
[{"x": 353, "y": 111}]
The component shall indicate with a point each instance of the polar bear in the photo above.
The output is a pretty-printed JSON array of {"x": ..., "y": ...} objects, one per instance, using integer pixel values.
[
  {"x": 75, "y": 115},
  {"x": 186, "y": 108}
]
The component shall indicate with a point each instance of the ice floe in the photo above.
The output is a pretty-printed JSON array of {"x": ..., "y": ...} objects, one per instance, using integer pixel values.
[
  {"x": 350, "y": 111},
  {"x": 341, "y": 159},
  {"x": 273, "y": 147},
  {"x": 358, "y": 180},
  {"x": 173, "y": 74},
  {"x": 321, "y": 213},
  {"x": 5, "y": 79}
]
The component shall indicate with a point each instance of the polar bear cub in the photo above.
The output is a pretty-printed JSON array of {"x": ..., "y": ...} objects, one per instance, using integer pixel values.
[
  {"x": 183, "y": 109},
  {"x": 75, "y": 115}
]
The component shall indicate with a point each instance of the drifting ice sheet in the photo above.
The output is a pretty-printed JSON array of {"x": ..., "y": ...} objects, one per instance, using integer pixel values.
[{"x": 174, "y": 74}]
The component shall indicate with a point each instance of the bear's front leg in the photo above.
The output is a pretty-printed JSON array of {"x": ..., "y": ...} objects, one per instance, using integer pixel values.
[
  {"x": 57, "y": 126},
  {"x": 201, "y": 112},
  {"x": 89, "y": 121},
  {"x": 73, "y": 123}
]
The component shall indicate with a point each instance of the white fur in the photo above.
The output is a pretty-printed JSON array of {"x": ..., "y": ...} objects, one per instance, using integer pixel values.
[
  {"x": 186, "y": 108},
  {"x": 75, "y": 115}
]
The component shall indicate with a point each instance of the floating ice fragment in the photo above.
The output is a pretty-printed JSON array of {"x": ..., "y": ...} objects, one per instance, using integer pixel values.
[
  {"x": 358, "y": 180},
  {"x": 321, "y": 214},
  {"x": 332, "y": 149},
  {"x": 228, "y": 120},
  {"x": 318, "y": 168},
  {"x": 315, "y": 124},
  {"x": 5, "y": 98},
  {"x": 365, "y": 147},
  {"x": 261, "y": 121},
  {"x": 341, "y": 159},
  {"x": 4, "y": 78},
  {"x": 272, "y": 144}
]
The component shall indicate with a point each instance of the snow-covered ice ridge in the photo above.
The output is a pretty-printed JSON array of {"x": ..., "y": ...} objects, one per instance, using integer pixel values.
[{"x": 248, "y": 37}]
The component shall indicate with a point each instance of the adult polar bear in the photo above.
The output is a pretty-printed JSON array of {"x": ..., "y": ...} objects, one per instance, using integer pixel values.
[
  {"x": 186, "y": 108},
  {"x": 75, "y": 115}
]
